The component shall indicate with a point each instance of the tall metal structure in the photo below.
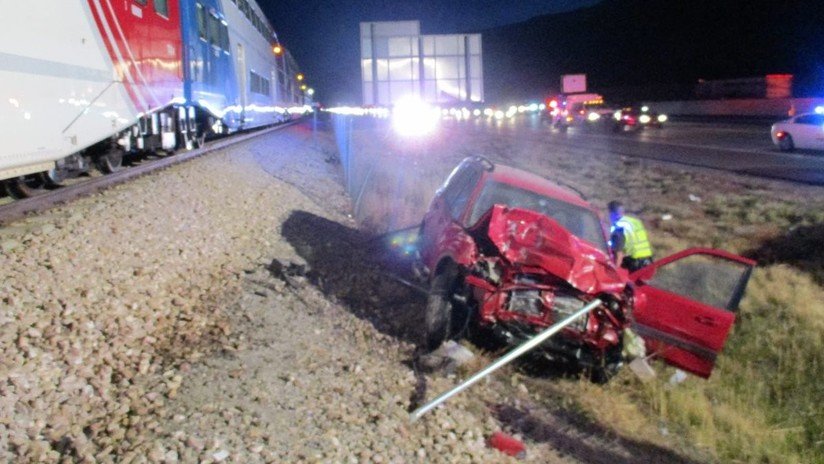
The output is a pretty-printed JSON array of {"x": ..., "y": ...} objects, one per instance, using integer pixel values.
[{"x": 397, "y": 62}]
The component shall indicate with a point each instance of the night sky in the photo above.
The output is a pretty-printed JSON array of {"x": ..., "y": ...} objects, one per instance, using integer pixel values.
[{"x": 323, "y": 34}]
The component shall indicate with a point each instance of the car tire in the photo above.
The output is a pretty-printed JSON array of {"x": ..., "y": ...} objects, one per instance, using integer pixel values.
[
  {"x": 439, "y": 307},
  {"x": 786, "y": 144},
  {"x": 608, "y": 366}
]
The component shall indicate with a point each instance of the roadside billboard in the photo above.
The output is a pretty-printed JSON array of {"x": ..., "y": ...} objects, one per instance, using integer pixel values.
[{"x": 573, "y": 83}]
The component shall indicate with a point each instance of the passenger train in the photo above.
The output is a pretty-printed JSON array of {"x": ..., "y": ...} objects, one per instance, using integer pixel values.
[{"x": 85, "y": 83}]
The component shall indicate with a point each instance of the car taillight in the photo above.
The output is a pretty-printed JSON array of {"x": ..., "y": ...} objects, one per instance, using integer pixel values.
[{"x": 780, "y": 135}]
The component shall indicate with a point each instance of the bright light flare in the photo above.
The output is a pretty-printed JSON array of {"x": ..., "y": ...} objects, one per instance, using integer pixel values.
[
  {"x": 412, "y": 117},
  {"x": 819, "y": 109},
  {"x": 644, "y": 108},
  {"x": 644, "y": 119},
  {"x": 662, "y": 118},
  {"x": 592, "y": 117}
]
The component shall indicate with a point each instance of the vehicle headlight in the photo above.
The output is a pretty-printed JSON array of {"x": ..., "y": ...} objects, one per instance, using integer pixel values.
[
  {"x": 563, "y": 306},
  {"x": 593, "y": 117},
  {"x": 617, "y": 115},
  {"x": 644, "y": 118},
  {"x": 662, "y": 118}
]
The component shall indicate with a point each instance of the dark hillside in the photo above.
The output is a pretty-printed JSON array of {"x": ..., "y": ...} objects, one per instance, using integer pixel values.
[{"x": 657, "y": 48}]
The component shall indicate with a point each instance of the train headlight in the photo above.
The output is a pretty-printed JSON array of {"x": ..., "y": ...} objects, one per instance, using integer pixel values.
[{"x": 412, "y": 117}]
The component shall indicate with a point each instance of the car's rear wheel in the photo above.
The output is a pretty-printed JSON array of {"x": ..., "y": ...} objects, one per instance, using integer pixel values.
[
  {"x": 441, "y": 307},
  {"x": 786, "y": 143}
]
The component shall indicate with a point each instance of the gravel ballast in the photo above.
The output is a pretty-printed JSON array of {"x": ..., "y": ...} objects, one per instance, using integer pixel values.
[{"x": 149, "y": 324}]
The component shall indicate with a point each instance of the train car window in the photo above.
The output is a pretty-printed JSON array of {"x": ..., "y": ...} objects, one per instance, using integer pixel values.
[
  {"x": 259, "y": 84},
  {"x": 224, "y": 36},
  {"x": 162, "y": 7},
  {"x": 201, "y": 21},
  {"x": 214, "y": 30},
  {"x": 141, "y": 2},
  {"x": 244, "y": 7}
]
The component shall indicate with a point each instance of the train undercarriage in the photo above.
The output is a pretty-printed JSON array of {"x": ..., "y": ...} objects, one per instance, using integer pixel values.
[{"x": 161, "y": 133}]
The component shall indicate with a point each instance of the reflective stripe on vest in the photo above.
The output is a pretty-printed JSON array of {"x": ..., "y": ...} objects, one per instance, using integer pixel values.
[{"x": 636, "y": 244}]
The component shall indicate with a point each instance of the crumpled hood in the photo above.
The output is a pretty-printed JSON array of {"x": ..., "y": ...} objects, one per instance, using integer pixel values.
[{"x": 532, "y": 239}]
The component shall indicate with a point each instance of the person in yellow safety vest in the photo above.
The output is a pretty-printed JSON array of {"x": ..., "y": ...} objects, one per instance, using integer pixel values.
[{"x": 628, "y": 239}]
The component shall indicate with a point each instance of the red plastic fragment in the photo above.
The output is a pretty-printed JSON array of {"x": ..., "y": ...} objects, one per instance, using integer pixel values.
[{"x": 507, "y": 444}]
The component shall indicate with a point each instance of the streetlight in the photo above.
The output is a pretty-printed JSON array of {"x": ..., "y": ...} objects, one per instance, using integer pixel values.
[
  {"x": 303, "y": 87},
  {"x": 277, "y": 49},
  {"x": 310, "y": 92},
  {"x": 299, "y": 77}
]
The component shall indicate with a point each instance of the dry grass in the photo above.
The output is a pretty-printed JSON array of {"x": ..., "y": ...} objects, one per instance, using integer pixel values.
[{"x": 763, "y": 403}]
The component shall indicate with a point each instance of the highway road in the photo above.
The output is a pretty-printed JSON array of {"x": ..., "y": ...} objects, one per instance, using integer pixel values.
[{"x": 745, "y": 149}]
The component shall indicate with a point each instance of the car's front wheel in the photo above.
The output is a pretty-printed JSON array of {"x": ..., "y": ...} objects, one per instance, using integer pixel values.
[
  {"x": 786, "y": 143},
  {"x": 441, "y": 308}
]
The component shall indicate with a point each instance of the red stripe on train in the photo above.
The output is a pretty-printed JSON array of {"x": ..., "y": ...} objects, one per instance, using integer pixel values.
[{"x": 110, "y": 48}]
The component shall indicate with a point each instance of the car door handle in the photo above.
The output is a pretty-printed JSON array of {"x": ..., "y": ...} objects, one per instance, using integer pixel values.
[{"x": 706, "y": 320}]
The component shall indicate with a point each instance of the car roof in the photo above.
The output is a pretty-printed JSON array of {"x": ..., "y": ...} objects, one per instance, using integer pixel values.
[{"x": 526, "y": 180}]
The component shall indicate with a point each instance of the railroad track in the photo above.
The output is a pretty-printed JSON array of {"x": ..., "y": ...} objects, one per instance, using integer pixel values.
[{"x": 41, "y": 202}]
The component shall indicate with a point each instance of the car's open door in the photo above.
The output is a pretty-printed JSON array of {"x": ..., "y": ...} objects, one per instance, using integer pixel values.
[{"x": 686, "y": 303}]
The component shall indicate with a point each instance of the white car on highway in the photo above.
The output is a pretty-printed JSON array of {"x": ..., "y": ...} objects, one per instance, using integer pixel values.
[{"x": 802, "y": 131}]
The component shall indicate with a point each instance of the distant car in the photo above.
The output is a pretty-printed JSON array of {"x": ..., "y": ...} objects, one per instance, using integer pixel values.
[
  {"x": 631, "y": 118},
  {"x": 508, "y": 253},
  {"x": 802, "y": 131}
]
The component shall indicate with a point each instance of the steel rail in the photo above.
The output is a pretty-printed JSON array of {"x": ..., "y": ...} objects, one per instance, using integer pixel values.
[{"x": 44, "y": 201}]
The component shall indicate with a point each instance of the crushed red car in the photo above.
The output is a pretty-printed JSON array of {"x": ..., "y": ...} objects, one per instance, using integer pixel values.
[{"x": 508, "y": 253}]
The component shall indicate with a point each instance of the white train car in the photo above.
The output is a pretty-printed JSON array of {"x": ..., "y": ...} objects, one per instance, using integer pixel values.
[{"x": 85, "y": 83}]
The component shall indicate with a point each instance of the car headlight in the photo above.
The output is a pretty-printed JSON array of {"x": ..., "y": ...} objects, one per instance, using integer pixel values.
[
  {"x": 593, "y": 116},
  {"x": 662, "y": 118},
  {"x": 617, "y": 115},
  {"x": 644, "y": 119}
]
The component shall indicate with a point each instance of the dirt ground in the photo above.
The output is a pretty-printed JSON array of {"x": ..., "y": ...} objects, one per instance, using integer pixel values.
[
  {"x": 326, "y": 373},
  {"x": 238, "y": 313}
]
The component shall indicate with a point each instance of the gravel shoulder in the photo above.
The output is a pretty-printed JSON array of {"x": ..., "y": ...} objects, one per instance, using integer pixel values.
[{"x": 149, "y": 324}]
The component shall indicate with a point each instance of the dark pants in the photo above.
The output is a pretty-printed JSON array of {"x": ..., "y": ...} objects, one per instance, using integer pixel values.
[{"x": 634, "y": 264}]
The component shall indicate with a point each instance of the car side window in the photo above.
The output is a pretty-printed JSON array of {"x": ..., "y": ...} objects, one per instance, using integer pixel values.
[
  {"x": 458, "y": 188},
  {"x": 811, "y": 119},
  {"x": 711, "y": 280},
  {"x": 462, "y": 197}
]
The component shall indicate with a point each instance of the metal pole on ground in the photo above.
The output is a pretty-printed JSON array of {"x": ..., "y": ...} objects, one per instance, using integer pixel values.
[{"x": 506, "y": 359}]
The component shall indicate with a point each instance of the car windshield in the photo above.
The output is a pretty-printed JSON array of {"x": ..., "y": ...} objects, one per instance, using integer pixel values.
[{"x": 580, "y": 221}]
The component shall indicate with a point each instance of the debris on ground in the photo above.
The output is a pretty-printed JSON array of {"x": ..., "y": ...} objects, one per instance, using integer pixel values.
[
  {"x": 507, "y": 444},
  {"x": 448, "y": 357}
]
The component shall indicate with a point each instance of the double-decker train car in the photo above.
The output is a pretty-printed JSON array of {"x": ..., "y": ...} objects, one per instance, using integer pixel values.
[{"x": 84, "y": 83}]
